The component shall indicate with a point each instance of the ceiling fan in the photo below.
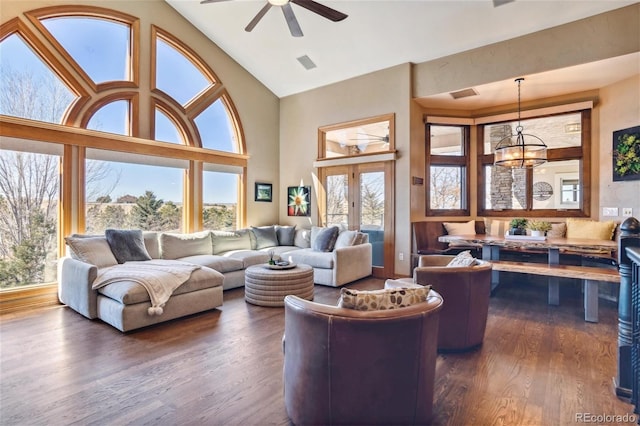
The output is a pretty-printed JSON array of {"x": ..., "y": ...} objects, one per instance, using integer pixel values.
[
  {"x": 372, "y": 138},
  {"x": 290, "y": 17}
]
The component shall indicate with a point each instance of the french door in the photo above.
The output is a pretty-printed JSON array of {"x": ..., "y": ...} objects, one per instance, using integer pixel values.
[{"x": 360, "y": 197}]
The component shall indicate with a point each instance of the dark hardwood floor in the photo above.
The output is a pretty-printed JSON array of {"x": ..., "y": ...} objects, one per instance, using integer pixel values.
[{"x": 539, "y": 365}]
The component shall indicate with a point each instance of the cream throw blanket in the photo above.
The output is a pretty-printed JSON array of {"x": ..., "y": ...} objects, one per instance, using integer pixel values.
[{"x": 159, "y": 277}]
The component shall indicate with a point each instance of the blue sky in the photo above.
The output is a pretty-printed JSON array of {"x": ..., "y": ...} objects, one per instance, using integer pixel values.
[{"x": 101, "y": 49}]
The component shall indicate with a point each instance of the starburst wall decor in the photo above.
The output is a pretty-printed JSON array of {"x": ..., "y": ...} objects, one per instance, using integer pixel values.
[{"x": 299, "y": 201}]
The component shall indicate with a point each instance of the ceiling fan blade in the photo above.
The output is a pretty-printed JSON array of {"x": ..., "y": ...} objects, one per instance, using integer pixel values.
[
  {"x": 258, "y": 17},
  {"x": 212, "y": 1},
  {"x": 321, "y": 10},
  {"x": 292, "y": 22}
]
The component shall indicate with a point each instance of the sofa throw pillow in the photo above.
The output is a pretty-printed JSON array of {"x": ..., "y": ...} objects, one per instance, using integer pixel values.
[
  {"x": 460, "y": 228},
  {"x": 286, "y": 235},
  {"x": 92, "y": 250},
  {"x": 302, "y": 238},
  {"x": 224, "y": 241},
  {"x": 346, "y": 239},
  {"x": 497, "y": 228},
  {"x": 463, "y": 259},
  {"x": 176, "y": 246},
  {"x": 590, "y": 229},
  {"x": 325, "y": 239},
  {"x": 378, "y": 300},
  {"x": 558, "y": 230},
  {"x": 265, "y": 236},
  {"x": 127, "y": 244}
]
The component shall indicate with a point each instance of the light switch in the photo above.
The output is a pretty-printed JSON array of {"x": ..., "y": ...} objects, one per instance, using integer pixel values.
[{"x": 609, "y": 211}]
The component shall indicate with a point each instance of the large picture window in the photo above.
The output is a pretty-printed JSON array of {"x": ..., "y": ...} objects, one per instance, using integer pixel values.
[
  {"x": 79, "y": 67},
  {"x": 558, "y": 187}
]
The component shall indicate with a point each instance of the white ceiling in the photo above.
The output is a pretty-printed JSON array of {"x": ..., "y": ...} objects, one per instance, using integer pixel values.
[{"x": 380, "y": 34}]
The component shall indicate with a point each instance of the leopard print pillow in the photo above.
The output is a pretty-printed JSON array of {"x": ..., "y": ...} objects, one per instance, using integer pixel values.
[{"x": 377, "y": 300}]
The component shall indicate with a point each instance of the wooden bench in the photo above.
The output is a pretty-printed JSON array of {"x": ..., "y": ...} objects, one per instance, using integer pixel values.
[{"x": 590, "y": 275}]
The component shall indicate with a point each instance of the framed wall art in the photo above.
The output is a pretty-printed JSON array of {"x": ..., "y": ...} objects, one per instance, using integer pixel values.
[
  {"x": 299, "y": 201},
  {"x": 263, "y": 192},
  {"x": 626, "y": 154}
]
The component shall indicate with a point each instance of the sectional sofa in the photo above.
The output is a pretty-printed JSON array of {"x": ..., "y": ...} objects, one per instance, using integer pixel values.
[{"x": 220, "y": 259}]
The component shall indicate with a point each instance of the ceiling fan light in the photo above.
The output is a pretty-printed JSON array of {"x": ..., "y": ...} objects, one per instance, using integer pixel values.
[{"x": 278, "y": 2}]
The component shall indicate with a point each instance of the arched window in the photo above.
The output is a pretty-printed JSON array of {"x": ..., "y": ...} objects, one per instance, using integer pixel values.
[{"x": 83, "y": 71}]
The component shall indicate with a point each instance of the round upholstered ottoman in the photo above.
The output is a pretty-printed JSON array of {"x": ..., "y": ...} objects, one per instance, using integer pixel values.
[{"x": 268, "y": 287}]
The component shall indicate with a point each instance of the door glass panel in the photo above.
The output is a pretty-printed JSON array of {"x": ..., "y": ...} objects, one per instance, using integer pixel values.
[
  {"x": 372, "y": 212},
  {"x": 337, "y": 201}
]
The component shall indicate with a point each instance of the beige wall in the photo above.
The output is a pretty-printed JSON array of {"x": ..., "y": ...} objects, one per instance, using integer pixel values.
[
  {"x": 595, "y": 38},
  {"x": 619, "y": 108},
  {"x": 257, "y": 107},
  {"x": 383, "y": 92}
]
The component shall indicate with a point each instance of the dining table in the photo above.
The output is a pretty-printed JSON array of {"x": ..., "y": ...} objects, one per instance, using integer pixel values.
[{"x": 492, "y": 245}]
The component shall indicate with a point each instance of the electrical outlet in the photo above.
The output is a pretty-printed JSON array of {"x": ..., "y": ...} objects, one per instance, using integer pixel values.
[
  {"x": 401, "y": 256},
  {"x": 609, "y": 211},
  {"x": 627, "y": 211}
]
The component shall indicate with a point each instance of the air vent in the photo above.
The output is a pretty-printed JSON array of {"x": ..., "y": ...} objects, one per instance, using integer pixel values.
[
  {"x": 463, "y": 93},
  {"x": 306, "y": 62}
]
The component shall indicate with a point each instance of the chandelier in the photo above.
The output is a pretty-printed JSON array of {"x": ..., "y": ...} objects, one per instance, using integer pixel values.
[{"x": 520, "y": 150}]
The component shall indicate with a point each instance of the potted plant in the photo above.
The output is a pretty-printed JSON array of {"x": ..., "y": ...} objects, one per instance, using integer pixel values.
[
  {"x": 539, "y": 227},
  {"x": 518, "y": 226}
]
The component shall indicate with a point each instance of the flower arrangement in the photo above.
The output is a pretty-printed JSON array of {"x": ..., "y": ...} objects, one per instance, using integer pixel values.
[
  {"x": 539, "y": 225},
  {"x": 271, "y": 261}
]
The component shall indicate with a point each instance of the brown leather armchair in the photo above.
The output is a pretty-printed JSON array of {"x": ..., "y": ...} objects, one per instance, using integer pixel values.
[
  {"x": 466, "y": 292},
  {"x": 343, "y": 366}
]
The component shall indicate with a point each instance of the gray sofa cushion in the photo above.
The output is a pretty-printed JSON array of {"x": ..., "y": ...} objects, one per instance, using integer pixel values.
[
  {"x": 265, "y": 236},
  {"x": 127, "y": 245},
  {"x": 346, "y": 238},
  {"x": 129, "y": 292},
  {"x": 152, "y": 243},
  {"x": 219, "y": 263},
  {"x": 92, "y": 250},
  {"x": 227, "y": 241},
  {"x": 175, "y": 246},
  {"x": 302, "y": 238},
  {"x": 286, "y": 235},
  {"x": 325, "y": 239},
  {"x": 316, "y": 259},
  {"x": 250, "y": 257}
]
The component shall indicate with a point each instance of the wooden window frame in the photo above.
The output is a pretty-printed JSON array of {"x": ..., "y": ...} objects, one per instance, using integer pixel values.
[
  {"x": 462, "y": 161},
  {"x": 582, "y": 153}
]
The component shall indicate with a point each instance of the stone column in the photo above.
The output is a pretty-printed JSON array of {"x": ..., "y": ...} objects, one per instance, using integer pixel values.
[{"x": 501, "y": 177}]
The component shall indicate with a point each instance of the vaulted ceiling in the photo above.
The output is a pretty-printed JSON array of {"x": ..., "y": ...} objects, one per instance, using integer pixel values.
[{"x": 380, "y": 34}]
